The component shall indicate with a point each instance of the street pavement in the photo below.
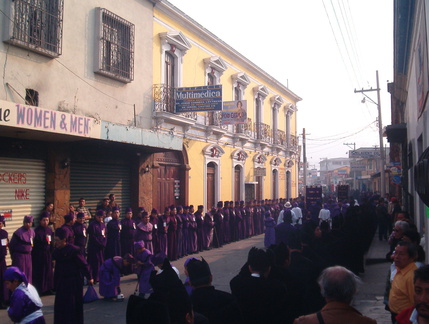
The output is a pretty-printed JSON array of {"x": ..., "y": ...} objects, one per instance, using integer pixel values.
[{"x": 225, "y": 263}]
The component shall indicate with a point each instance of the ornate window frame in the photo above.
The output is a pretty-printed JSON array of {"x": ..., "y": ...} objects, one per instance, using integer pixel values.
[
  {"x": 177, "y": 45},
  {"x": 239, "y": 158},
  {"x": 240, "y": 80},
  {"x": 216, "y": 66}
]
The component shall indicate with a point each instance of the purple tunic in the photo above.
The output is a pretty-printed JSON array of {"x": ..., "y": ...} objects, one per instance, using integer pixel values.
[
  {"x": 144, "y": 270},
  {"x": 226, "y": 227},
  {"x": 21, "y": 306},
  {"x": 80, "y": 237},
  {"x": 70, "y": 268},
  {"x": 192, "y": 234},
  {"x": 179, "y": 236},
  {"x": 270, "y": 233},
  {"x": 185, "y": 235},
  {"x": 43, "y": 275},
  {"x": 155, "y": 240},
  {"x": 110, "y": 277},
  {"x": 172, "y": 252},
  {"x": 70, "y": 233},
  {"x": 162, "y": 234},
  {"x": 127, "y": 236},
  {"x": 218, "y": 229},
  {"x": 96, "y": 244},
  {"x": 20, "y": 247},
  {"x": 144, "y": 233},
  {"x": 4, "y": 292},
  {"x": 200, "y": 231},
  {"x": 208, "y": 226}
]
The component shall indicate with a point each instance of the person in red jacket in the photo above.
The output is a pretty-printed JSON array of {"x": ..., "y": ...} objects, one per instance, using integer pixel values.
[{"x": 419, "y": 312}]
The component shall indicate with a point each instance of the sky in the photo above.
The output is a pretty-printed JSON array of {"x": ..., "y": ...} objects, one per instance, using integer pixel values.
[{"x": 322, "y": 50}]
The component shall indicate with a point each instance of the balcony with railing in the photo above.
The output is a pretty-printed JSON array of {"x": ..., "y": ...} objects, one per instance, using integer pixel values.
[
  {"x": 164, "y": 108},
  {"x": 279, "y": 137},
  {"x": 293, "y": 145},
  {"x": 262, "y": 132}
]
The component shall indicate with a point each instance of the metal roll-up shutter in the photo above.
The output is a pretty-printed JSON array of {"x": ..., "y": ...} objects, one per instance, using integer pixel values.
[
  {"x": 22, "y": 191},
  {"x": 94, "y": 181}
]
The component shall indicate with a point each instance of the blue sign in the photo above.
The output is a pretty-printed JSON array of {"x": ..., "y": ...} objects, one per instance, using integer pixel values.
[{"x": 207, "y": 98}]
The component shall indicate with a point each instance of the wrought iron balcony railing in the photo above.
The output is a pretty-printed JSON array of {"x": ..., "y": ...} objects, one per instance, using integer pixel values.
[
  {"x": 262, "y": 132},
  {"x": 279, "y": 137},
  {"x": 163, "y": 97}
]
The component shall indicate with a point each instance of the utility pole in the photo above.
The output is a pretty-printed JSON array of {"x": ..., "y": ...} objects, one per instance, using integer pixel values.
[
  {"x": 354, "y": 172},
  {"x": 380, "y": 134}
]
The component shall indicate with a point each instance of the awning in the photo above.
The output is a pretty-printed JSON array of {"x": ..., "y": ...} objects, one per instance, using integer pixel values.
[{"x": 397, "y": 133}]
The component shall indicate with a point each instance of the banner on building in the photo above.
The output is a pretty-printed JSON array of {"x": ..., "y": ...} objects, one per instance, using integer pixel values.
[
  {"x": 193, "y": 99},
  {"x": 234, "y": 112},
  {"x": 357, "y": 166},
  {"x": 365, "y": 154},
  {"x": 46, "y": 120}
]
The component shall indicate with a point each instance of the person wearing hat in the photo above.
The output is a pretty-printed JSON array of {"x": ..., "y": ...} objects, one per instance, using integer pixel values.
[
  {"x": 226, "y": 220},
  {"x": 70, "y": 268},
  {"x": 238, "y": 221},
  {"x": 96, "y": 243},
  {"x": 79, "y": 230},
  {"x": 69, "y": 220},
  {"x": 25, "y": 303},
  {"x": 287, "y": 206},
  {"x": 41, "y": 255},
  {"x": 20, "y": 247},
  {"x": 208, "y": 227},
  {"x": 113, "y": 243},
  {"x": 143, "y": 267},
  {"x": 218, "y": 306},
  {"x": 172, "y": 251},
  {"x": 153, "y": 219},
  {"x": 200, "y": 234},
  {"x": 218, "y": 218},
  {"x": 192, "y": 231},
  {"x": 110, "y": 276},
  {"x": 128, "y": 228},
  {"x": 179, "y": 231},
  {"x": 232, "y": 220},
  {"x": 143, "y": 232},
  {"x": 4, "y": 241}
]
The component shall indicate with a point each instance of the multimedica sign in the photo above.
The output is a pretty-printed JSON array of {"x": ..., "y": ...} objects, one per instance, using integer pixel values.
[{"x": 208, "y": 98}]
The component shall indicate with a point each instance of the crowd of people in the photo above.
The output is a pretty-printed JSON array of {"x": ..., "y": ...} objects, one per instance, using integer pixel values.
[{"x": 310, "y": 252}]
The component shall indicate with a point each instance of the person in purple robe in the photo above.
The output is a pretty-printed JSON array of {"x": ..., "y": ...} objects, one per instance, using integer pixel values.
[
  {"x": 70, "y": 268},
  {"x": 69, "y": 220},
  {"x": 179, "y": 231},
  {"x": 199, "y": 218},
  {"x": 4, "y": 242},
  {"x": 226, "y": 228},
  {"x": 232, "y": 220},
  {"x": 171, "y": 234},
  {"x": 79, "y": 229},
  {"x": 244, "y": 221},
  {"x": 110, "y": 276},
  {"x": 41, "y": 255},
  {"x": 238, "y": 221},
  {"x": 96, "y": 243},
  {"x": 20, "y": 247},
  {"x": 284, "y": 231},
  {"x": 218, "y": 228},
  {"x": 128, "y": 229},
  {"x": 153, "y": 219},
  {"x": 187, "y": 282},
  {"x": 192, "y": 231},
  {"x": 270, "y": 232},
  {"x": 143, "y": 267},
  {"x": 163, "y": 230},
  {"x": 256, "y": 218},
  {"x": 113, "y": 243},
  {"x": 185, "y": 230},
  {"x": 208, "y": 227},
  {"x": 139, "y": 216},
  {"x": 25, "y": 303},
  {"x": 144, "y": 232}
]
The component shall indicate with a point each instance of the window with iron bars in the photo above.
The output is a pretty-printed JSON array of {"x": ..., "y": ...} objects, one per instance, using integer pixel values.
[
  {"x": 37, "y": 25},
  {"x": 116, "y": 46}
]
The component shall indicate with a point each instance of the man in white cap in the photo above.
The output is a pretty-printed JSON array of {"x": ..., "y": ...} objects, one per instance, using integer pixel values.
[{"x": 287, "y": 206}]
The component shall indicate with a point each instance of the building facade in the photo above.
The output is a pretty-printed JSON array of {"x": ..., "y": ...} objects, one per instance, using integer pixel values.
[
  {"x": 409, "y": 133},
  {"x": 256, "y": 158}
]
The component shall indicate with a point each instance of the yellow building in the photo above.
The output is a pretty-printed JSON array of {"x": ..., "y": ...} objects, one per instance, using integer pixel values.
[{"x": 256, "y": 159}]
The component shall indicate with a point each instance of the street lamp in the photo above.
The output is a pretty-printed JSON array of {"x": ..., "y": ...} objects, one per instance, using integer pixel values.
[{"x": 380, "y": 133}]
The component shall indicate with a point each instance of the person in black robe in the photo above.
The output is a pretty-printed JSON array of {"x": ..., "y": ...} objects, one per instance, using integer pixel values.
[
  {"x": 218, "y": 229},
  {"x": 218, "y": 306},
  {"x": 79, "y": 229},
  {"x": 199, "y": 220},
  {"x": 70, "y": 268},
  {"x": 41, "y": 256},
  {"x": 113, "y": 243}
]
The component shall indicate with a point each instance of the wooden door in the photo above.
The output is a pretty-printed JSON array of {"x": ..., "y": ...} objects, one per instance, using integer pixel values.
[
  {"x": 210, "y": 186},
  {"x": 168, "y": 177}
]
